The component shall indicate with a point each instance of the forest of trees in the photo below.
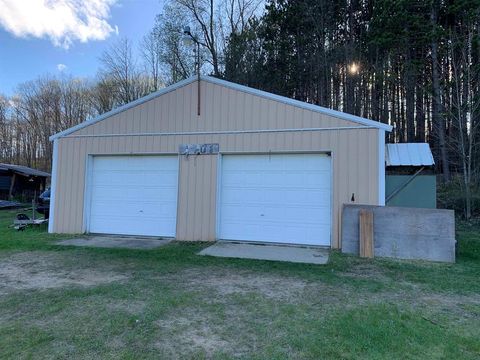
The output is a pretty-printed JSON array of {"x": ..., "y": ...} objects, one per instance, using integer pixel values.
[{"x": 414, "y": 64}]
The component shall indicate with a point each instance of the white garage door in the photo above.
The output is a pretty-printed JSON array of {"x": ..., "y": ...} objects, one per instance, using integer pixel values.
[
  {"x": 133, "y": 195},
  {"x": 276, "y": 198}
]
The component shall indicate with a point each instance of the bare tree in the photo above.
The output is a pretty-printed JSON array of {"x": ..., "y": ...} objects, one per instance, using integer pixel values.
[
  {"x": 39, "y": 109},
  {"x": 150, "y": 48},
  {"x": 239, "y": 12},
  {"x": 6, "y": 138},
  {"x": 437, "y": 105},
  {"x": 233, "y": 18},
  {"x": 465, "y": 106},
  {"x": 102, "y": 95},
  {"x": 120, "y": 67},
  {"x": 213, "y": 23}
]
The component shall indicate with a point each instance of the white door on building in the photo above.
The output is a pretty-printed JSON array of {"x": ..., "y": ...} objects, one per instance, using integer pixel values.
[
  {"x": 133, "y": 195},
  {"x": 281, "y": 198}
]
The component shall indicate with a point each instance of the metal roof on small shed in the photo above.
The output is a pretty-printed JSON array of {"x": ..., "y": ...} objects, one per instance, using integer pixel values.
[
  {"x": 408, "y": 154},
  {"x": 24, "y": 170}
]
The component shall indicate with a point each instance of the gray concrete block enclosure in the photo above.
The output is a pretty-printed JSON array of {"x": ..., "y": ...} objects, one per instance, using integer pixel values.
[
  {"x": 240, "y": 120},
  {"x": 404, "y": 233}
]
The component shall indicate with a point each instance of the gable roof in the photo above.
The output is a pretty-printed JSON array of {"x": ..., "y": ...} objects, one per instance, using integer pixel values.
[{"x": 234, "y": 86}]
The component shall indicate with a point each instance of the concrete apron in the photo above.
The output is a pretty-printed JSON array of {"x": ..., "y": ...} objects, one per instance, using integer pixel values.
[
  {"x": 273, "y": 252},
  {"x": 119, "y": 242}
]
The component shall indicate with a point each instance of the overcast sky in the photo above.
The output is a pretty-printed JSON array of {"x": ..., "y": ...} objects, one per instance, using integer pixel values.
[{"x": 39, "y": 37}]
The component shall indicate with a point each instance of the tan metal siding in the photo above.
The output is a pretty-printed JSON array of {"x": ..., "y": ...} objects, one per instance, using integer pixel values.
[
  {"x": 196, "y": 219},
  {"x": 354, "y": 151},
  {"x": 354, "y": 157},
  {"x": 221, "y": 109}
]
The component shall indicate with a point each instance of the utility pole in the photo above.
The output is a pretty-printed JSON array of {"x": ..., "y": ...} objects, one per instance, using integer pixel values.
[{"x": 191, "y": 37}]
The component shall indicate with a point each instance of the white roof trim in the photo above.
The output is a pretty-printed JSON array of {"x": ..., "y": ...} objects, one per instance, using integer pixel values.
[
  {"x": 124, "y": 107},
  {"x": 249, "y": 90}
]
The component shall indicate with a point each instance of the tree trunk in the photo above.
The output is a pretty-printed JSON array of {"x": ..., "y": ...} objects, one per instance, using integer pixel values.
[
  {"x": 410, "y": 98},
  {"x": 437, "y": 108}
]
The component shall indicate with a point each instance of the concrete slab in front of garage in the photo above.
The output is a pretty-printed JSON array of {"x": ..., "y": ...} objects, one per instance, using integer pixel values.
[
  {"x": 125, "y": 242},
  {"x": 273, "y": 252}
]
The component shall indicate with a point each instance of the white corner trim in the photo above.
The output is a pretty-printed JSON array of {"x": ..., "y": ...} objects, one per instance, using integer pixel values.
[
  {"x": 53, "y": 187},
  {"x": 218, "y": 194},
  {"x": 381, "y": 167},
  {"x": 87, "y": 194}
]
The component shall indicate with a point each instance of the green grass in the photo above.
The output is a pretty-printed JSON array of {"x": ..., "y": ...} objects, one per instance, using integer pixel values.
[{"x": 66, "y": 302}]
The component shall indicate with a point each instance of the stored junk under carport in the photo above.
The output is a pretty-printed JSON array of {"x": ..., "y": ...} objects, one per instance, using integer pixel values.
[
  {"x": 21, "y": 182},
  {"x": 251, "y": 166}
]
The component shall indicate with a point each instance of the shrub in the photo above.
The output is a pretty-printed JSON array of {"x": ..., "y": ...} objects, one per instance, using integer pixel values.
[{"x": 452, "y": 196}]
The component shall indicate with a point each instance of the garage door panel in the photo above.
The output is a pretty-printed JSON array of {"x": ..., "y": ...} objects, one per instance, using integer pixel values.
[
  {"x": 230, "y": 213},
  {"x": 280, "y": 180},
  {"x": 300, "y": 197},
  {"x": 243, "y": 195},
  {"x": 276, "y": 198},
  {"x": 121, "y": 163},
  {"x": 144, "y": 217},
  {"x": 241, "y": 179},
  {"x": 294, "y": 214},
  {"x": 134, "y": 178},
  {"x": 134, "y": 195},
  {"x": 132, "y": 208},
  {"x": 290, "y": 233},
  {"x": 294, "y": 198},
  {"x": 104, "y": 226},
  {"x": 294, "y": 219},
  {"x": 246, "y": 232}
]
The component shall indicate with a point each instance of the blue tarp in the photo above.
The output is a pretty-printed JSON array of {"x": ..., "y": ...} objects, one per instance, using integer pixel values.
[{"x": 4, "y": 204}]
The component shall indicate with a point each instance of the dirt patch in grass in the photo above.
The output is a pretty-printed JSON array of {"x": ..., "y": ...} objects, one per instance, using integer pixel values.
[
  {"x": 47, "y": 270},
  {"x": 116, "y": 343},
  {"x": 365, "y": 271},
  {"x": 132, "y": 307},
  {"x": 180, "y": 335},
  {"x": 228, "y": 282},
  {"x": 219, "y": 325}
]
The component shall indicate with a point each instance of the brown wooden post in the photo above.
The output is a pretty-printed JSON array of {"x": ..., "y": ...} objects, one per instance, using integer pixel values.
[{"x": 365, "y": 218}]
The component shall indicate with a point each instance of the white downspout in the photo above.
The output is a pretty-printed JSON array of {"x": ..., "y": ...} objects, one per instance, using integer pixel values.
[
  {"x": 53, "y": 187},
  {"x": 381, "y": 167}
]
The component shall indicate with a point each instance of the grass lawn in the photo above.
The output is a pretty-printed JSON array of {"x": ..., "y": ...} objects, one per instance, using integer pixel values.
[{"x": 66, "y": 302}]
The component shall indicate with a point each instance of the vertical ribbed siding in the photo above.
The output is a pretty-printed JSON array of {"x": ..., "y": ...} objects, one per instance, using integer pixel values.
[
  {"x": 221, "y": 109},
  {"x": 196, "y": 203},
  {"x": 354, "y": 152}
]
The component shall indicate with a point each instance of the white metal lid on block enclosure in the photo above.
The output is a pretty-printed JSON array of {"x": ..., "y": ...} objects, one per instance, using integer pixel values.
[{"x": 408, "y": 154}]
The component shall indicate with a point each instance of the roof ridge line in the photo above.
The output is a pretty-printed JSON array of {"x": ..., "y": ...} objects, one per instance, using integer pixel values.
[{"x": 234, "y": 86}]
